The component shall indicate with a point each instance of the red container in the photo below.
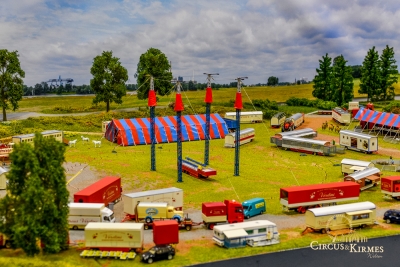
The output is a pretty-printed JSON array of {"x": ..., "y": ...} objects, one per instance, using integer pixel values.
[
  {"x": 320, "y": 193},
  {"x": 213, "y": 209},
  {"x": 104, "y": 191},
  {"x": 390, "y": 184},
  {"x": 165, "y": 232}
]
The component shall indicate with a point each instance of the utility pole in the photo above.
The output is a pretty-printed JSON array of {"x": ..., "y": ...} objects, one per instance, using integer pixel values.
[
  {"x": 238, "y": 106},
  {"x": 179, "y": 108},
  {"x": 208, "y": 101},
  {"x": 152, "y": 102}
]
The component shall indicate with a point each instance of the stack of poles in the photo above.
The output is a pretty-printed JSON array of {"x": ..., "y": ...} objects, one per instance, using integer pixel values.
[
  {"x": 208, "y": 101},
  {"x": 238, "y": 106},
  {"x": 179, "y": 108}
]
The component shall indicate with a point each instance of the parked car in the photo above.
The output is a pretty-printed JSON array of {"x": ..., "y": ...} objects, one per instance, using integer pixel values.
[
  {"x": 158, "y": 253},
  {"x": 392, "y": 216}
]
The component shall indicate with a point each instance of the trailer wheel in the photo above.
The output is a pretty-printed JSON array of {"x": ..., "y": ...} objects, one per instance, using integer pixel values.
[
  {"x": 8, "y": 244},
  {"x": 146, "y": 227},
  {"x": 323, "y": 231},
  {"x": 188, "y": 227},
  {"x": 75, "y": 227},
  {"x": 211, "y": 226}
]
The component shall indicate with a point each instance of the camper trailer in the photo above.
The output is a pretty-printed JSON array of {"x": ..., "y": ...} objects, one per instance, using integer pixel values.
[
  {"x": 252, "y": 233},
  {"x": 366, "y": 178},
  {"x": 341, "y": 216},
  {"x": 390, "y": 186},
  {"x": 351, "y": 165},
  {"x": 358, "y": 141},
  {"x": 278, "y": 119},
  {"x": 340, "y": 115},
  {"x": 246, "y": 116}
]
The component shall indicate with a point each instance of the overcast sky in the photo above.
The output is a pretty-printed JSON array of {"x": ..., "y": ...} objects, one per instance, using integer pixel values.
[{"x": 255, "y": 38}]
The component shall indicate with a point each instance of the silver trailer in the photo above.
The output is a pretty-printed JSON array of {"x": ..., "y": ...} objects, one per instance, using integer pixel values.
[{"x": 351, "y": 165}]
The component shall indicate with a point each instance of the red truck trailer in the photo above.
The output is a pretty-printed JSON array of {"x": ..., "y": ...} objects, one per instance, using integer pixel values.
[
  {"x": 301, "y": 198},
  {"x": 105, "y": 191},
  {"x": 165, "y": 232},
  {"x": 391, "y": 186},
  {"x": 217, "y": 212}
]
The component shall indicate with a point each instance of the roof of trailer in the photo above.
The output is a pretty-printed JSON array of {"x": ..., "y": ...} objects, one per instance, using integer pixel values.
[
  {"x": 342, "y": 208},
  {"x": 357, "y": 134}
]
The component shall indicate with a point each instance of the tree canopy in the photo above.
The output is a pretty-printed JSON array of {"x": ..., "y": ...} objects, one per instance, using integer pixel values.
[
  {"x": 323, "y": 80},
  {"x": 153, "y": 63},
  {"x": 109, "y": 78},
  {"x": 36, "y": 205},
  {"x": 272, "y": 80},
  {"x": 11, "y": 84},
  {"x": 370, "y": 76},
  {"x": 342, "y": 82},
  {"x": 388, "y": 73}
]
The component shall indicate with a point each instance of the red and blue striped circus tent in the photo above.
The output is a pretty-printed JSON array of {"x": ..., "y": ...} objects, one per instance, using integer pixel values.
[
  {"x": 373, "y": 118},
  {"x": 131, "y": 132}
]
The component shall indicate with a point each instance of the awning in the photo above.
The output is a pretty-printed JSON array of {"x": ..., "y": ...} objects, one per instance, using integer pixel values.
[
  {"x": 358, "y": 212},
  {"x": 236, "y": 233}
]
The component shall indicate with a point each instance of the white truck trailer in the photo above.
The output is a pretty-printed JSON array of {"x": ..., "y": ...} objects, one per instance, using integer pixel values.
[{"x": 80, "y": 214}]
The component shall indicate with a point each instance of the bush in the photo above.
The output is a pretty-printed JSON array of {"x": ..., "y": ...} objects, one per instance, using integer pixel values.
[
  {"x": 393, "y": 107},
  {"x": 317, "y": 103}
]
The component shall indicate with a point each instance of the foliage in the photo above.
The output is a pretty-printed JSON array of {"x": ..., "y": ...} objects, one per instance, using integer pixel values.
[
  {"x": 317, "y": 103},
  {"x": 323, "y": 80},
  {"x": 36, "y": 206},
  {"x": 153, "y": 63},
  {"x": 392, "y": 107},
  {"x": 11, "y": 84},
  {"x": 356, "y": 71},
  {"x": 388, "y": 72},
  {"x": 109, "y": 78},
  {"x": 370, "y": 76},
  {"x": 269, "y": 108},
  {"x": 342, "y": 81},
  {"x": 272, "y": 81}
]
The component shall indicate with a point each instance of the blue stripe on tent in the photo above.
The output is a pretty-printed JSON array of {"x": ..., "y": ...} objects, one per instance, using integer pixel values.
[
  {"x": 396, "y": 124},
  {"x": 202, "y": 124},
  {"x": 192, "y": 126},
  {"x": 387, "y": 122},
  {"x": 139, "y": 131},
  {"x": 161, "y": 130},
  {"x": 374, "y": 116},
  {"x": 147, "y": 129},
  {"x": 173, "y": 130},
  {"x": 381, "y": 118},
  {"x": 128, "y": 132},
  {"x": 223, "y": 123},
  {"x": 214, "y": 126},
  {"x": 359, "y": 113},
  {"x": 367, "y": 113}
]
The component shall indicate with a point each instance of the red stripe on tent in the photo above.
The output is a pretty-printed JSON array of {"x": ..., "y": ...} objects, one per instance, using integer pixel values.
[
  {"x": 189, "y": 129},
  {"x": 172, "y": 119},
  {"x": 146, "y": 131},
  {"x": 219, "y": 124},
  {"x": 158, "y": 134},
  {"x": 135, "y": 135},
  {"x": 383, "y": 122},
  {"x": 369, "y": 116},
  {"x": 377, "y": 117},
  {"x": 120, "y": 136},
  {"x": 395, "y": 117},
  {"x": 362, "y": 113},
  {"x": 199, "y": 128},
  {"x": 212, "y": 133},
  {"x": 167, "y": 129}
]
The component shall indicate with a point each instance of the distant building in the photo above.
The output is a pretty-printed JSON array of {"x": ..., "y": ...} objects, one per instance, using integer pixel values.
[{"x": 180, "y": 79}]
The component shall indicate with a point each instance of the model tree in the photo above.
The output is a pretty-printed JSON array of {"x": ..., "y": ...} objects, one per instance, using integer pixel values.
[
  {"x": 11, "y": 84},
  {"x": 342, "y": 81},
  {"x": 36, "y": 205},
  {"x": 109, "y": 78},
  {"x": 389, "y": 73},
  {"x": 323, "y": 80},
  {"x": 370, "y": 75},
  {"x": 153, "y": 63}
]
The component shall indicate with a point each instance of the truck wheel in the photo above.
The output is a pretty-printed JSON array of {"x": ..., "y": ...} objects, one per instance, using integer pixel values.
[
  {"x": 211, "y": 226},
  {"x": 148, "y": 220},
  {"x": 178, "y": 220},
  {"x": 170, "y": 256},
  {"x": 150, "y": 261},
  {"x": 247, "y": 217},
  {"x": 388, "y": 221},
  {"x": 188, "y": 227},
  {"x": 323, "y": 231}
]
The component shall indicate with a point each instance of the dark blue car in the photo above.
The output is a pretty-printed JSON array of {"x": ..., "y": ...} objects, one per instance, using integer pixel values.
[{"x": 392, "y": 216}]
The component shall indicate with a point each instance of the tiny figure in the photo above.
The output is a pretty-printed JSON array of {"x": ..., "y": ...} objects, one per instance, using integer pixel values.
[{"x": 391, "y": 161}]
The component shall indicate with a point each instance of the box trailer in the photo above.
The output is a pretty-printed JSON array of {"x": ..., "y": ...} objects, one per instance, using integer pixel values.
[
  {"x": 213, "y": 213},
  {"x": 3, "y": 178},
  {"x": 390, "y": 186},
  {"x": 278, "y": 119},
  {"x": 341, "y": 116},
  {"x": 107, "y": 190},
  {"x": 246, "y": 116},
  {"x": 114, "y": 237},
  {"x": 301, "y": 198},
  {"x": 165, "y": 232},
  {"x": 341, "y": 216},
  {"x": 252, "y": 233},
  {"x": 245, "y": 136},
  {"x": 305, "y": 145},
  {"x": 5, "y": 241},
  {"x": 172, "y": 195},
  {"x": 366, "y": 178},
  {"x": 80, "y": 214},
  {"x": 358, "y": 141},
  {"x": 351, "y": 165}
]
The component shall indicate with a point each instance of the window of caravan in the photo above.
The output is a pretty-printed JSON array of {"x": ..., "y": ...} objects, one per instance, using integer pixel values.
[
  {"x": 360, "y": 216},
  {"x": 262, "y": 230},
  {"x": 250, "y": 232}
]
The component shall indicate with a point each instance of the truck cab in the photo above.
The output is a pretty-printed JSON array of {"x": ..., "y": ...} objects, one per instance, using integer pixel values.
[
  {"x": 172, "y": 213},
  {"x": 253, "y": 207},
  {"x": 234, "y": 211}
]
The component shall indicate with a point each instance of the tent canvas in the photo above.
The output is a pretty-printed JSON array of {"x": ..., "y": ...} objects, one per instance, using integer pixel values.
[
  {"x": 390, "y": 120},
  {"x": 128, "y": 132}
]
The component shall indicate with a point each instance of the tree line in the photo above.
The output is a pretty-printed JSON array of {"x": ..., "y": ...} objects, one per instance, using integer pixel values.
[{"x": 334, "y": 79}]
